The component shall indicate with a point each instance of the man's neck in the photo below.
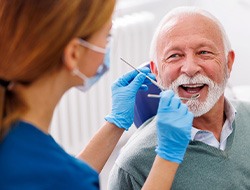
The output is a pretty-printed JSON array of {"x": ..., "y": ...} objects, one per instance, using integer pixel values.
[{"x": 213, "y": 120}]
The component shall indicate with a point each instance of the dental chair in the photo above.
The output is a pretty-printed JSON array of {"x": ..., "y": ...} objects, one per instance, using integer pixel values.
[{"x": 145, "y": 107}]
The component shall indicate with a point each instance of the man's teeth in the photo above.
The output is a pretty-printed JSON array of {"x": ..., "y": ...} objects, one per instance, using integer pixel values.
[{"x": 192, "y": 85}]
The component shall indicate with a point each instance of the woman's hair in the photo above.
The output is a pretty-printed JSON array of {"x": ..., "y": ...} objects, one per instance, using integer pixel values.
[{"x": 33, "y": 35}]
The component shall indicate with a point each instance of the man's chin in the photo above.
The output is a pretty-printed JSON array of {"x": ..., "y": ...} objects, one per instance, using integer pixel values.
[{"x": 198, "y": 108}]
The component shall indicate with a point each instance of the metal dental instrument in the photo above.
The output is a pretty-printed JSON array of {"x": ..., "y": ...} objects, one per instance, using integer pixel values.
[
  {"x": 193, "y": 97},
  {"x": 153, "y": 81}
]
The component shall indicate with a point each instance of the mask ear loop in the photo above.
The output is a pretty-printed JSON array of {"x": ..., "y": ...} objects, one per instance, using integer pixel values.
[
  {"x": 95, "y": 48},
  {"x": 76, "y": 72},
  {"x": 92, "y": 46}
]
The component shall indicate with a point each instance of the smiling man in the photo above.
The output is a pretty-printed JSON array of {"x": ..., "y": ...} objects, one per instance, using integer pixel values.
[{"x": 191, "y": 54}]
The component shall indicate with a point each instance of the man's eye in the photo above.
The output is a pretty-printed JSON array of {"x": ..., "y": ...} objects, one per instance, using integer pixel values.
[
  {"x": 203, "y": 52},
  {"x": 174, "y": 56}
]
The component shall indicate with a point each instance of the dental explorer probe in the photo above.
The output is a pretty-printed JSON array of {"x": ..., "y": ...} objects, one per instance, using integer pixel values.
[
  {"x": 193, "y": 97},
  {"x": 151, "y": 80}
]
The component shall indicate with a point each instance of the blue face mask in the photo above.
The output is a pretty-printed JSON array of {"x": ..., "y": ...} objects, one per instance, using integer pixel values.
[{"x": 103, "y": 68}]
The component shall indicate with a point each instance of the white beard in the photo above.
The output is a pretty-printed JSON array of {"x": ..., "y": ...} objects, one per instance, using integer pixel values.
[{"x": 215, "y": 91}]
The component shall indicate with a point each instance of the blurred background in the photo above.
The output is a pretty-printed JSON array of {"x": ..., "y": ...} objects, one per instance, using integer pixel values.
[{"x": 79, "y": 115}]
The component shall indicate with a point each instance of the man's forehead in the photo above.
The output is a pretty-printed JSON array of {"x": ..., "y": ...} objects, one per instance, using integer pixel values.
[
  {"x": 188, "y": 44},
  {"x": 186, "y": 20},
  {"x": 185, "y": 25}
]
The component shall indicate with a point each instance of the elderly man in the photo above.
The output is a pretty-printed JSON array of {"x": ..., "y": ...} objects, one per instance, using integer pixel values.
[{"x": 191, "y": 54}]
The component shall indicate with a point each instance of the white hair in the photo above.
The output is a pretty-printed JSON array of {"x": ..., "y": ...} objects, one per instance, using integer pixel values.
[{"x": 188, "y": 10}]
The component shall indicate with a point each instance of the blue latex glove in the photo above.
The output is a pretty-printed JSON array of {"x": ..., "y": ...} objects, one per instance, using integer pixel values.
[
  {"x": 123, "y": 97},
  {"x": 174, "y": 123}
]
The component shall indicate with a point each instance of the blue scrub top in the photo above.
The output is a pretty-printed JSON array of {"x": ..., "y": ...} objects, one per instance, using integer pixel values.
[{"x": 32, "y": 160}]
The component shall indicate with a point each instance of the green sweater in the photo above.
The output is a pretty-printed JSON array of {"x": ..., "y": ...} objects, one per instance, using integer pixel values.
[{"x": 204, "y": 167}]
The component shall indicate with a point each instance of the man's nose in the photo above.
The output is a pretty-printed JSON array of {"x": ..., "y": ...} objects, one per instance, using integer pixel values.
[{"x": 190, "y": 66}]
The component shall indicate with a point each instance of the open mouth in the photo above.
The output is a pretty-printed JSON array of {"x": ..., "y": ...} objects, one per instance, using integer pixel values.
[{"x": 190, "y": 89}]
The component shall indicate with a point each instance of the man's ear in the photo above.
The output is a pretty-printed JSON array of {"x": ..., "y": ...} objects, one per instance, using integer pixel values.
[
  {"x": 153, "y": 68},
  {"x": 71, "y": 54},
  {"x": 230, "y": 61}
]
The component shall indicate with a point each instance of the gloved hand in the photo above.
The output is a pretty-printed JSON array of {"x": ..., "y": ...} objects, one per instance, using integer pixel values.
[
  {"x": 174, "y": 123},
  {"x": 123, "y": 97}
]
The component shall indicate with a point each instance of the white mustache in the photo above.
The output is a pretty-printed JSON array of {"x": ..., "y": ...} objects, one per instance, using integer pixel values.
[
  {"x": 197, "y": 79},
  {"x": 214, "y": 92}
]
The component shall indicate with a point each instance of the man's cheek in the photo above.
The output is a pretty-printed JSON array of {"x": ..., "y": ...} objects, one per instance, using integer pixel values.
[{"x": 166, "y": 79}]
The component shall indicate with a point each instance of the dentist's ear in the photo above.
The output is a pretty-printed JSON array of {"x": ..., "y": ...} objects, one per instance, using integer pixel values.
[
  {"x": 154, "y": 68},
  {"x": 72, "y": 54}
]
